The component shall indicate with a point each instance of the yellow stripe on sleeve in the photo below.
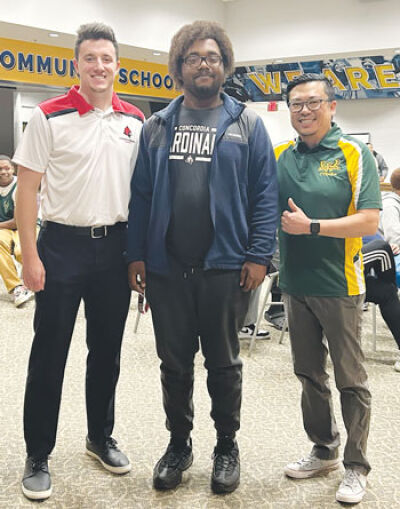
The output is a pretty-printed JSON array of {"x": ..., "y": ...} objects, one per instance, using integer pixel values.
[
  {"x": 354, "y": 271},
  {"x": 279, "y": 149}
]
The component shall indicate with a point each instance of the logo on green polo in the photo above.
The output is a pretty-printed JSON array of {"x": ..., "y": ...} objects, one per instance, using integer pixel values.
[{"x": 329, "y": 168}]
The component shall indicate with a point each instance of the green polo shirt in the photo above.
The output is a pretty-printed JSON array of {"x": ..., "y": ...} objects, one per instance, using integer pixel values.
[{"x": 334, "y": 179}]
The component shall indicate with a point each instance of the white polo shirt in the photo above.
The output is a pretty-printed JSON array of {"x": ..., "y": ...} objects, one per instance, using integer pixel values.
[{"x": 87, "y": 157}]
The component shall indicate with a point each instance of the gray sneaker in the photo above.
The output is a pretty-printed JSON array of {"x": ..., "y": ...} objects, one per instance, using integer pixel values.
[
  {"x": 352, "y": 488},
  {"x": 36, "y": 483},
  {"x": 310, "y": 466}
]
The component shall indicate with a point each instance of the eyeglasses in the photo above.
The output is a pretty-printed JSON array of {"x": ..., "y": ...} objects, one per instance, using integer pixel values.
[
  {"x": 196, "y": 60},
  {"x": 312, "y": 105}
]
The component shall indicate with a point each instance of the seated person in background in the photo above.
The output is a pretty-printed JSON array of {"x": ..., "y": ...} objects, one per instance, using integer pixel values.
[
  {"x": 389, "y": 224},
  {"x": 9, "y": 240},
  {"x": 380, "y": 284},
  {"x": 381, "y": 287},
  {"x": 382, "y": 167}
]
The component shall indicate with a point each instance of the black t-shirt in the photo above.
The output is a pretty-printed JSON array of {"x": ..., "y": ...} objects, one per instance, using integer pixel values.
[{"x": 190, "y": 230}]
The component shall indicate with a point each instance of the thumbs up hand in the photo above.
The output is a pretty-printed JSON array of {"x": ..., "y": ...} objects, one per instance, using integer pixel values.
[{"x": 294, "y": 221}]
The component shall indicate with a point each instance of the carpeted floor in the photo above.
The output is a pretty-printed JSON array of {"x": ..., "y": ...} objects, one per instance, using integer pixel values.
[{"x": 271, "y": 432}]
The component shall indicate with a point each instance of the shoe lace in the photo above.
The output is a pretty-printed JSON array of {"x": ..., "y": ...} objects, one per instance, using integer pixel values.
[
  {"x": 39, "y": 464},
  {"x": 308, "y": 460},
  {"x": 173, "y": 456},
  {"x": 111, "y": 443},
  {"x": 224, "y": 462},
  {"x": 18, "y": 291},
  {"x": 350, "y": 478},
  {"x": 225, "y": 456}
]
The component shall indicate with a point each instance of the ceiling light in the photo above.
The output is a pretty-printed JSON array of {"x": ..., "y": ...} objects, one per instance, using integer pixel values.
[
  {"x": 52, "y": 34},
  {"x": 156, "y": 53}
]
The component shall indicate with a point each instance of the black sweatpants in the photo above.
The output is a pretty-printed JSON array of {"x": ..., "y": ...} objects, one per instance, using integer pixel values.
[
  {"x": 381, "y": 285},
  {"x": 77, "y": 267},
  {"x": 186, "y": 306}
]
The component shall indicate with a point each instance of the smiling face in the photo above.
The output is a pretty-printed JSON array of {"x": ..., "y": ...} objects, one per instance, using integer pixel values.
[
  {"x": 96, "y": 66},
  {"x": 312, "y": 125},
  {"x": 203, "y": 81},
  {"x": 6, "y": 172}
]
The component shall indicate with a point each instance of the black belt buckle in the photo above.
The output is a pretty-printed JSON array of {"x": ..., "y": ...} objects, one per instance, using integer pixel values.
[{"x": 95, "y": 235}]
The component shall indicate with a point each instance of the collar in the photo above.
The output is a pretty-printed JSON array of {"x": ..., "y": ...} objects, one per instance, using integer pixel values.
[
  {"x": 233, "y": 107},
  {"x": 329, "y": 141},
  {"x": 83, "y": 106},
  {"x": 4, "y": 190}
]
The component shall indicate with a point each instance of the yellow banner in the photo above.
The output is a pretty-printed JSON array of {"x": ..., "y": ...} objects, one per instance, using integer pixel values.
[{"x": 26, "y": 62}]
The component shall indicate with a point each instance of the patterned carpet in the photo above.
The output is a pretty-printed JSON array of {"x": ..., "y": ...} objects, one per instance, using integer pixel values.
[{"x": 271, "y": 432}]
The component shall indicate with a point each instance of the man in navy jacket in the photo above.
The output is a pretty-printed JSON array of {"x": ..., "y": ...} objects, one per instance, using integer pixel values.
[{"x": 202, "y": 222}]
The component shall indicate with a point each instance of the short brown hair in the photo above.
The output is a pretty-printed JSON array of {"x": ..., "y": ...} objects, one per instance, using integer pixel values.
[
  {"x": 187, "y": 35},
  {"x": 395, "y": 179},
  {"x": 95, "y": 31}
]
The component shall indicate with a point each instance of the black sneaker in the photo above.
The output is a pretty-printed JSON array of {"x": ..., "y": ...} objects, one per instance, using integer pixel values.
[
  {"x": 226, "y": 470},
  {"x": 167, "y": 473},
  {"x": 109, "y": 456},
  {"x": 36, "y": 483}
]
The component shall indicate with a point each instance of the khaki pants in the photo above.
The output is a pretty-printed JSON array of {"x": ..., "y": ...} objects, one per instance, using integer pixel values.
[
  {"x": 9, "y": 246},
  {"x": 316, "y": 324}
]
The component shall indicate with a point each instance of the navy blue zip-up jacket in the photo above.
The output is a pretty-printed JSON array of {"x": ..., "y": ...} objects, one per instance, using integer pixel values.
[{"x": 242, "y": 185}]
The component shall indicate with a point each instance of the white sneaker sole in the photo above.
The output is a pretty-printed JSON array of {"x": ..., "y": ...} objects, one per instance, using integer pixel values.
[
  {"x": 36, "y": 495},
  {"x": 115, "y": 470},
  {"x": 350, "y": 499},
  {"x": 305, "y": 474},
  {"x": 249, "y": 336}
]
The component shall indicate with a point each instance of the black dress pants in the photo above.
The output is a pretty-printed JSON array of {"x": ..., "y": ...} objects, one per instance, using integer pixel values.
[
  {"x": 77, "y": 267},
  {"x": 186, "y": 306}
]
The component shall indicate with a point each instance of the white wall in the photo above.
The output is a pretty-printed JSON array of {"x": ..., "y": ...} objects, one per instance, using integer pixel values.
[
  {"x": 267, "y": 29},
  {"x": 144, "y": 24},
  {"x": 259, "y": 29},
  {"x": 379, "y": 117}
]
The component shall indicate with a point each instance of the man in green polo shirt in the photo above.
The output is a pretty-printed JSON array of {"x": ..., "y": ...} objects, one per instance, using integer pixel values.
[{"x": 329, "y": 198}]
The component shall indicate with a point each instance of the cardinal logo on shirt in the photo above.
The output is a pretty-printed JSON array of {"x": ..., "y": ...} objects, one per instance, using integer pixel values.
[{"x": 127, "y": 132}]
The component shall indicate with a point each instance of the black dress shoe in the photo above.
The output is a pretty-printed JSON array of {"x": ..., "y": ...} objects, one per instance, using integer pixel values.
[
  {"x": 167, "y": 473},
  {"x": 109, "y": 455},
  {"x": 226, "y": 469},
  {"x": 36, "y": 483}
]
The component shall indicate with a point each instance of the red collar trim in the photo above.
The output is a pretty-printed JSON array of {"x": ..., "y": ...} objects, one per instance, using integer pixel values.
[
  {"x": 83, "y": 106},
  {"x": 79, "y": 101}
]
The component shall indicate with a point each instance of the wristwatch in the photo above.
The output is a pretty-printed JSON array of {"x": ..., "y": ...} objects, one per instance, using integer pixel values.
[{"x": 314, "y": 227}]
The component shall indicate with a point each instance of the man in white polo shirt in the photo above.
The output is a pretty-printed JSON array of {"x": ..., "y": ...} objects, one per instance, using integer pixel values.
[{"x": 79, "y": 148}]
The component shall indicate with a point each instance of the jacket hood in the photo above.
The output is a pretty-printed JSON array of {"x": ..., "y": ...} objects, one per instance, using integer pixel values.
[{"x": 233, "y": 107}]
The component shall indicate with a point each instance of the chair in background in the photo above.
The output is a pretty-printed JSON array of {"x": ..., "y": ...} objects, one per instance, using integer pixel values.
[{"x": 266, "y": 301}]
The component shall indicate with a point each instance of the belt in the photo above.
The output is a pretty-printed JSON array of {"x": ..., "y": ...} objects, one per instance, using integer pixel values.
[{"x": 94, "y": 232}]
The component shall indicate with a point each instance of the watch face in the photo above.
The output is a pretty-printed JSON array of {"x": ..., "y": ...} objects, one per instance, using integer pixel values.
[{"x": 314, "y": 227}]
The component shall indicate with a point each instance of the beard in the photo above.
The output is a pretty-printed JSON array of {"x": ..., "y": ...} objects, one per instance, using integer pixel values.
[{"x": 204, "y": 91}]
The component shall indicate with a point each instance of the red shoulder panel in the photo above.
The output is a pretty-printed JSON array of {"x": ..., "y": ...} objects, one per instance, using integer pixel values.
[
  {"x": 56, "y": 104},
  {"x": 127, "y": 108}
]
